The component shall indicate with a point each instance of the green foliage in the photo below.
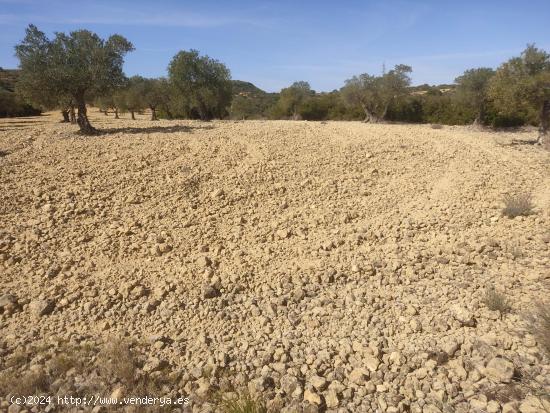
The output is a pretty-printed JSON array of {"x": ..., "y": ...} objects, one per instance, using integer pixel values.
[
  {"x": 521, "y": 87},
  {"x": 11, "y": 105},
  {"x": 250, "y": 102},
  {"x": 375, "y": 94},
  {"x": 129, "y": 98},
  {"x": 79, "y": 66},
  {"x": 292, "y": 99},
  {"x": 472, "y": 89},
  {"x": 243, "y": 107},
  {"x": 203, "y": 84},
  {"x": 240, "y": 87}
]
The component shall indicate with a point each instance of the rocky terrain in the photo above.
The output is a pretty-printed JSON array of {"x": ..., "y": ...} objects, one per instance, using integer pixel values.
[{"x": 340, "y": 266}]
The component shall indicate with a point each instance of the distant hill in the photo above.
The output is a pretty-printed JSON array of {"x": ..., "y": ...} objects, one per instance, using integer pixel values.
[
  {"x": 243, "y": 88},
  {"x": 425, "y": 88}
]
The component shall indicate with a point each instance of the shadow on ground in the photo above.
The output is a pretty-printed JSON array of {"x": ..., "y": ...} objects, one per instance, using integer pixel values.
[
  {"x": 517, "y": 142},
  {"x": 152, "y": 129}
]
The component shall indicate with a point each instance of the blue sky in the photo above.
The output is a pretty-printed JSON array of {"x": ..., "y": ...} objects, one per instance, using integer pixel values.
[{"x": 274, "y": 43}]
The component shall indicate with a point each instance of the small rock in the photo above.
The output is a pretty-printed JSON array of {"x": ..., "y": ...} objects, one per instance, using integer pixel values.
[
  {"x": 41, "y": 308},
  {"x": 318, "y": 382},
  {"x": 204, "y": 261},
  {"x": 210, "y": 291},
  {"x": 371, "y": 362},
  {"x": 283, "y": 233},
  {"x": 463, "y": 315},
  {"x": 331, "y": 399},
  {"x": 500, "y": 370},
  {"x": 154, "y": 364},
  {"x": 493, "y": 407},
  {"x": 358, "y": 376},
  {"x": 118, "y": 393},
  {"x": 217, "y": 193},
  {"x": 312, "y": 397},
  {"x": 289, "y": 384},
  {"x": 534, "y": 404},
  {"x": 8, "y": 303}
]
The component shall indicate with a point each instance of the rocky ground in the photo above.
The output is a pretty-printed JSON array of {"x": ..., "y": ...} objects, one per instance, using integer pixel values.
[{"x": 337, "y": 266}]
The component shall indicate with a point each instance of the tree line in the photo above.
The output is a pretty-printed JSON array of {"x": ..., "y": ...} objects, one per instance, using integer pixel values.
[{"x": 78, "y": 69}]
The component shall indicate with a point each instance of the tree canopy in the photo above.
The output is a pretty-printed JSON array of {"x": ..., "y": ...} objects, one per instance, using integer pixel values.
[
  {"x": 375, "y": 93},
  {"x": 292, "y": 98},
  {"x": 522, "y": 84},
  {"x": 203, "y": 84},
  {"x": 79, "y": 66},
  {"x": 472, "y": 86}
]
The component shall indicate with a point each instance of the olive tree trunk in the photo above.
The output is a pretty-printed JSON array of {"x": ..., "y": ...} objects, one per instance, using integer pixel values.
[
  {"x": 72, "y": 114},
  {"x": 82, "y": 119},
  {"x": 369, "y": 116},
  {"x": 133, "y": 115},
  {"x": 65, "y": 113},
  {"x": 295, "y": 113},
  {"x": 153, "y": 113},
  {"x": 116, "y": 113},
  {"x": 544, "y": 126},
  {"x": 478, "y": 121}
]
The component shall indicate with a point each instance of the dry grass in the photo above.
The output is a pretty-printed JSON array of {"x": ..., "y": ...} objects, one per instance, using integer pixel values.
[
  {"x": 519, "y": 204},
  {"x": 241, "y": 403},
  {"x": 25, "y": 384},
  {"x": 539, "y": 325},
  {"x": 116, "y": 363},
  {"x": 496, "y": 301}
]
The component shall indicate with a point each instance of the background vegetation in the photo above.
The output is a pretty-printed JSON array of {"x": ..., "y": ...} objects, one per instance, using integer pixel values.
[{"x": 75, "y": 70}]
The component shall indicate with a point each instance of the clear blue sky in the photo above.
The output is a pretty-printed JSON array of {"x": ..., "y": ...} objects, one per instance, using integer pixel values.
[{"x": 273, "y": 43}]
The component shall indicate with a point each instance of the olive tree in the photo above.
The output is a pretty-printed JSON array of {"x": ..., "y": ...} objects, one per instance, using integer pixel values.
[
  {"x": 292, "y": 99},
  {"x": 202, "y": 82},
  {"x": 130, "y": 99},
  {"x": 374, "y": 94},
  {"x": 472, "y": 88},
  {"x": 79, "y": 65},
  {"x": 153, "y": 95},
  {"x": 523, "y": 84}
]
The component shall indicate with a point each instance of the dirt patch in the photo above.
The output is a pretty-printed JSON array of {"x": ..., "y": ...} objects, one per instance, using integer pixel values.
[{"x": 317, "y": 265}]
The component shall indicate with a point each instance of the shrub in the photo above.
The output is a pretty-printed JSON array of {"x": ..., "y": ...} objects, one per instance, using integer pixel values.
[
  {"x": 519, "y": 204},
  {"x": 242, "y": 403},
  {"x": 496, "y": 301},
  {"x": 25, "y": 384},
  {"x": 539, "y": 325}
]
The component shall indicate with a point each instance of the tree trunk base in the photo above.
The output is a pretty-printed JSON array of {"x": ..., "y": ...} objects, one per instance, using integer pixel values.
[
  {"x": 72, "y": 115},
  {"x": 84, "y": 124},
  {"x": 544, "y": 140},
  {"x": 65, "y": 114}
]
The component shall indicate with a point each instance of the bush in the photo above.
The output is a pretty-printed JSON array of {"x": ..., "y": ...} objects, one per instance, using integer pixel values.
[
  {"x": 242, "y": 403},
  {"x": 117, "y": 363},
  {"x": 11, "y": 106},
  {"x": 496, "y": 301},
  {"x": 539, "y": 325},
  {"x": 516, "y": 205}
]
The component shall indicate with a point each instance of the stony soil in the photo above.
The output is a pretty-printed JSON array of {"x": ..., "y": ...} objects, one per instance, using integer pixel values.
[{"x": 323, "y": 266}]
